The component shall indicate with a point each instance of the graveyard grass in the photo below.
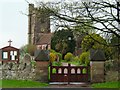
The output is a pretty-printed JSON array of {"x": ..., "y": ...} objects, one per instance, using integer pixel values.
[
  {"x": 115, "y": 84},
  {"x": 21, "y": 84}
]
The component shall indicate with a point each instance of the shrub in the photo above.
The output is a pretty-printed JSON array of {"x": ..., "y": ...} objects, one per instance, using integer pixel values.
[
  {"x": 52, "y": 57},
  {"x": 33, "y": 63},
  {"x": 60, "y": 56},
  {"x": 68, "y": 56},
  {"x": 108, "y": 65},
  {"x": 31, "y": 49},
  {"x": 76, "y": 58},
  {"x": 84, "y": 58},
  {"x": 56, "y": 63},
  {"x": 52, "y": 51}
]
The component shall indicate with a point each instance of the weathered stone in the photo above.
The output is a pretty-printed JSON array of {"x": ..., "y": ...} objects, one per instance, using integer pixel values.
[
  {"x": 28, "y": 68},
  {"x": 10, "y": 65},
  {"x": 22, "y": 66},
  {"x": 27, "y": 59},
  {"x": 41, "y": 71},
  {"x": 15, "y": 67},
  {"x": 20, "y": 71},
  {"x": 97, "y": 71},
  {"x": 0, "y": 66},
  {"x": 5, "y": 66}
]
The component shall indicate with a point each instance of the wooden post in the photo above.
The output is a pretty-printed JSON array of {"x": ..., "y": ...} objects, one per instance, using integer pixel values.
[
  {"x": 9, "y": 55},
  {"x": 69, "y": 73},
  {"x": 88, "y": 73},
  {"x": 50, "y": 71}
]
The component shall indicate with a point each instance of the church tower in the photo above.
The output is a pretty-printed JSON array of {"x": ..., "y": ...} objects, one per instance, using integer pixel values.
[{"x": 38, "y": 24}]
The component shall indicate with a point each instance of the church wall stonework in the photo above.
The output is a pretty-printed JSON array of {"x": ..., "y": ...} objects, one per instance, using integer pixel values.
[{"x": 38, "y": 22}]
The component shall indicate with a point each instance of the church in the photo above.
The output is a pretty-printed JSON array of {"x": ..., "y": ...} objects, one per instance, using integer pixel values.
[{"x": 39, "y": 32}]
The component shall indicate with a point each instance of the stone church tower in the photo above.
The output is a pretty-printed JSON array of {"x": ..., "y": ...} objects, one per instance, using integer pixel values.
[{"x": 39, "y": 23}]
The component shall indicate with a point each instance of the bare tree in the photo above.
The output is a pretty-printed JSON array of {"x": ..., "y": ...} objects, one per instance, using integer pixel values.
[{"x": 104, "y": 15}]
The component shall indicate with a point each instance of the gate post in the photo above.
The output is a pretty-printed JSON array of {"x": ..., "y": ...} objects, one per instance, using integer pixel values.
[
  {"x": 97, "y": 66},
  {"x": 42, "y": 62},
  {"x": 41, "y": 71},
  {"x": 69, "y": 72}
]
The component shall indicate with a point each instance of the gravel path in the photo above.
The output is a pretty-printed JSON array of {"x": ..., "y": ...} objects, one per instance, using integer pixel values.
[{"x": 81, "y": 85}]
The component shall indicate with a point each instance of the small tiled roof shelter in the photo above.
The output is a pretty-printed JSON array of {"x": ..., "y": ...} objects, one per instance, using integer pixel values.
[
  {"x": 97, "y": 64},
  {"x": 97, "y": 55},
  {"x": 9, "y": 54},
  {"x": 41, "y": 55}
]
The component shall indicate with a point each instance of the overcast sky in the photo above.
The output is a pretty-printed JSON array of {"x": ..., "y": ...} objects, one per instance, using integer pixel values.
[{"x": 13, "y": 24}]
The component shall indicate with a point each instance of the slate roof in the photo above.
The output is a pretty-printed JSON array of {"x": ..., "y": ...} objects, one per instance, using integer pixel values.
[
  {"x": 97, "y": 55},
  {"x": 45, "y": 38},
  {"x": 41, "y": 55}
]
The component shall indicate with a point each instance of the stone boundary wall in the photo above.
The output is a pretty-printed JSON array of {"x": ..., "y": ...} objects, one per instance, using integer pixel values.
[{"x": 22, "y": 71}]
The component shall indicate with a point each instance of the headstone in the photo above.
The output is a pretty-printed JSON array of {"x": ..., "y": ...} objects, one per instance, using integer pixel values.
[{"x": 27, "y": 59}]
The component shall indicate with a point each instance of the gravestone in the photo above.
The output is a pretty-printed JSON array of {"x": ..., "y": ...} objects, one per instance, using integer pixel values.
[
  {"x": 24, "y": 67},
  {"x": 97, "y": 65},
  {"x": 27, "y": 59}
]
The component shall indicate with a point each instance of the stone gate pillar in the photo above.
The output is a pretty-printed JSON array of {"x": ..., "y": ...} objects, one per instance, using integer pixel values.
[
  {"x": 42, "y": 62},
  {"x": 41, "y": 71},
  {"x": 97, "y": 65}
]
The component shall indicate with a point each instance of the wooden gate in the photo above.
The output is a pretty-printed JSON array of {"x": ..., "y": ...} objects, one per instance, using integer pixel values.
[{"x": 69, "y": 73}]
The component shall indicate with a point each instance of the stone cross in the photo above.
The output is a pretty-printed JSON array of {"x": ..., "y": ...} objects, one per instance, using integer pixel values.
[{"x": 9, "y": 42}]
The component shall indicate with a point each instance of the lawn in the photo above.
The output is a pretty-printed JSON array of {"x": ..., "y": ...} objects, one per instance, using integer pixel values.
[
  {"x": 21, "y": 84},
  {"x": 107, "y": 85}
]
